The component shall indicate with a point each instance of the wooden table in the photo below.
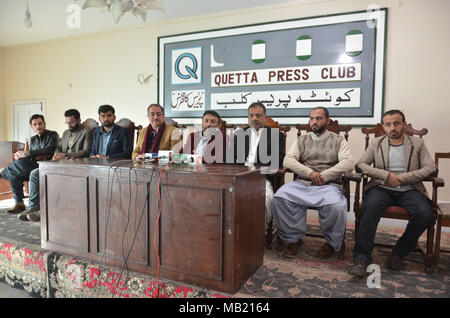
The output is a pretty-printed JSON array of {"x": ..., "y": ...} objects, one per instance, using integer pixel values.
[{"x": 211, "y": 227}]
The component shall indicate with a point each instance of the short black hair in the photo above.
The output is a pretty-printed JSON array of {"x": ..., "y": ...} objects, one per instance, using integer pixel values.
[
  {"x": 157, "y": 105},
  {"x": 257, "y": 104},
  {"x": 36, "y": 116},
  {"x": 211, "y": 112},
  {"x": 105, "y": 109},
  {"x": 72, "y": 112},
  {"x": 325, "y": 111},
  {"x": 393, "y": 112}
]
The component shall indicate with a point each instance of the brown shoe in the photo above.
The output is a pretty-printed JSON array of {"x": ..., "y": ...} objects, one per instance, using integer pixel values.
[
  {"x": 17, "y": 208},
  {"x": 326, "y": 251},
  {"x": 395, "y": 261},
  {"x": 34, "y": 216},
  {"x": 291, "y": 251}
]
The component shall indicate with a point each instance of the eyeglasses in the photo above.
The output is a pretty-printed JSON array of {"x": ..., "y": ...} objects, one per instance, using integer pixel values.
[{"x": 72, "y": 122}]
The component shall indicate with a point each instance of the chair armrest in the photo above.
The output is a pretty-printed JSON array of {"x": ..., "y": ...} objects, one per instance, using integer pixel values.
[
  {"x": 352, "y": 176},
  {"x": 44, "y": 157},
  {"x": 437, "y": 181}
]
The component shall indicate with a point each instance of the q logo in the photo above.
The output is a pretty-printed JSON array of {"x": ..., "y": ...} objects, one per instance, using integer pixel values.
[{"x": 186, "y": 66}]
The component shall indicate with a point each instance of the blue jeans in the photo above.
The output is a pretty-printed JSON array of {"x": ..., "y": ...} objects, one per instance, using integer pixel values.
[
  {"x": 34, "y": 190},
  {"x": 17, "y": 172},
  {"x": 375, "y": 202}
]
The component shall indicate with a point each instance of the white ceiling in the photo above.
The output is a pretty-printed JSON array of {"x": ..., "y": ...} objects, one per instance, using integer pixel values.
[{"x": 49, "y": 17}]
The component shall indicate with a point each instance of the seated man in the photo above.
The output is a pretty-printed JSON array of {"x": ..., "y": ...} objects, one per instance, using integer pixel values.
[
  {"x": 259, "y": 145},
  {"x": 401, "y": 163},
  {"x": 110, "y": 141},
  {"x": 210, "y": 142},
  {"x": 319, "y": 158},
  {"x": 42, "y": 144},
  {"x": 76, "y": 142},
  {"x": 156, "y": 136}
]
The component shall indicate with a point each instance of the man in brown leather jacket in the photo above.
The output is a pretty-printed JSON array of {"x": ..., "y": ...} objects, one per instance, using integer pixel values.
[{"x": 400, "y": 164}]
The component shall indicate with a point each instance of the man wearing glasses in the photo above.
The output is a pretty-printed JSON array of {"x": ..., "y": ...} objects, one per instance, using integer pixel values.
[{"x": 76, "y": 142}]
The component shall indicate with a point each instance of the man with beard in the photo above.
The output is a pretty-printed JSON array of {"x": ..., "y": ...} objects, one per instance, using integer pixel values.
[
  {"x": 400, "y": 164},
  {"x": 156, "y": 136},
  {"x": 318, "y": 158},
  {"x": 259, "y": 145},
  {"x": 42, "y": 144},
  {"x": 76, "y": 142},
  {"x": 210, "y": 142},
  {"x": 110, "y": 141}
]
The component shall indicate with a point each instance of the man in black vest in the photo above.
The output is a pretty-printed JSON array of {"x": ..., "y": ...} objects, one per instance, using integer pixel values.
[{"x": 259, "y": 145}]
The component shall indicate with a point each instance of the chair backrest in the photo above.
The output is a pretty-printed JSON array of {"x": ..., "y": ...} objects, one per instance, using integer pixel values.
[
  {"x": 378, "y": 131},
  {"x": 90, "y": 123},
  {"x": 226, "y": 128},
  {"x": 274, "y": 124},
  {"x": 440, "y": 155},
  {"x": 170, "y": 121},
  {"x": 332, "y": 126},
  {"x": 132, "y": 128}
]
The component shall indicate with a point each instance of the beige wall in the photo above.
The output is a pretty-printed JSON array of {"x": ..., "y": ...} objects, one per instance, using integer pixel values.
[
  {"x": 3, "y": 118},
  {"x": 103, "y": 68}
]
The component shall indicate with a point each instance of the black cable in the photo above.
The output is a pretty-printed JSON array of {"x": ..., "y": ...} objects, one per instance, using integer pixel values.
[
  {"x": 147, "y": 200},
  {"x": 107, "y": 214},
  {"x": 125, "y": 230}
]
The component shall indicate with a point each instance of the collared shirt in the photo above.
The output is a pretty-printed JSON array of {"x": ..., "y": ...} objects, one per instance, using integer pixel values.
[
  {"x": 202, "y": 145},
  {"x": 252, "y": 152},
  {"x": 396, "y": 164},
  {"x": 150, "y": 144},
  {"x": 44, "y": 144},
  {"x": 104, "y": 140},
  {"x": 314, "y": 136}
]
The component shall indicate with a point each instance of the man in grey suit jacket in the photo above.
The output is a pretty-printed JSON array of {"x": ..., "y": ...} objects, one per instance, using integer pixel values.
[
  {"x": 76, "y": 142},
  {"x": 401, "y": 163}
]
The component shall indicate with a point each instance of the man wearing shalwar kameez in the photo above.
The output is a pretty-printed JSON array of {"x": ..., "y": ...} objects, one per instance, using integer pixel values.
[{"x": 318, "y": 158}]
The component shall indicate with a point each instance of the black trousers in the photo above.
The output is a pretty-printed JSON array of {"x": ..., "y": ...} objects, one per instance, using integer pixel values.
[
  {"x": 375, "y": 202},
  {"x": 17, "y": 173}
]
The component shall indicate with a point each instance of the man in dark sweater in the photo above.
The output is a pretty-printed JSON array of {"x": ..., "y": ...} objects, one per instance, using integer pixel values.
[{"x": 41, "y": 145}]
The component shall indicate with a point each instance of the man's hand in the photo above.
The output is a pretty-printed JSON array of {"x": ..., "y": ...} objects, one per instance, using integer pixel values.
[
  {"x": 19, "y": 154},
  {"x": 394, "y": 180},
  {"x": 99, "y": 156},
  {"x": 140, "y": 157},
  {"x": 317, "y": 178},
  {"x": 58, "y": 156}
]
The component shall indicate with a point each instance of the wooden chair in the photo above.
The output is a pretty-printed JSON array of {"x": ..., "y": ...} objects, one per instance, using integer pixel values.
[
  {"x": 276, "y": 179},
  {"x": 443, "y": 216},
  {"x": 334, "y": 126},
  {"x": 396, "y": 212},
  {"x": 226, "y": 128},
  {"x": 90, "y": 123},
  {"x": 132, "y": 128},
  {"x": 181, "y": 128}
]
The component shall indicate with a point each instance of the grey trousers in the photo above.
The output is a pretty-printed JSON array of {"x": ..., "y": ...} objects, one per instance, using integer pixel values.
[
  {"x": 289, "y": 206},
  {"x": 34, "y": 199}
]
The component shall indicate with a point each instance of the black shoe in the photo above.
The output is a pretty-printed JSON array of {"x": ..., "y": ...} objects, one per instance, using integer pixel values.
[
  {"x": 358, "y": 269},
  {"x": 395, "y": 261}
]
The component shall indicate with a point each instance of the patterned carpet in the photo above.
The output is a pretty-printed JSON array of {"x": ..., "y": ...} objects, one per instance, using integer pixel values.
[{"x": 48, "y": 274}]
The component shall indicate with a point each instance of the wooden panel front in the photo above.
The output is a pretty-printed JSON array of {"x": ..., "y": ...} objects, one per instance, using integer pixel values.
[
  {"x": 122, "y": 219},
  {"x": 67, "y": 211},
  {"x": 210, "y": 231},
  {"x": 191, "y": 231}
]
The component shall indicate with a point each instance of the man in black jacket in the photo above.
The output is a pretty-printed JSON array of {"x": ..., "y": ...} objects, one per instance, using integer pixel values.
[
  {"x": 41, "y": 145},
  {"x": 259, "y": 145}
]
